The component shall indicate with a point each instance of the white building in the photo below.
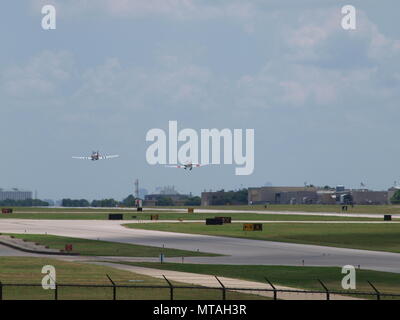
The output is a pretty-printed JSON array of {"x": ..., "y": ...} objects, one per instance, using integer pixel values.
[{"x": 15, "y": 194}]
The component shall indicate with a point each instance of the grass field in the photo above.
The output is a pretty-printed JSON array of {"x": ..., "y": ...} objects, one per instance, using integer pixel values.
[
  {"x": 104, "y": 248},
  {"x": 19, "y": 270},
  {"x": 100, "y": 214},
  {"x": 297, "y": 277},
  {"x": 381, "y": 237},
  {"x": 69, "y": 214}
]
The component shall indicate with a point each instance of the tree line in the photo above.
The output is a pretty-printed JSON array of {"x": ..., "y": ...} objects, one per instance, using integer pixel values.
[
  {"x": 23, "y": 203},
  {"x": 231, "y": 197},
  {"x": 127, "y": 202},
  {"x": 75, "y": 203}
]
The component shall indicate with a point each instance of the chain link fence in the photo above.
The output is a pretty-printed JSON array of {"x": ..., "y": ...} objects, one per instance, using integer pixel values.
[{"x": 172, "y": 291}]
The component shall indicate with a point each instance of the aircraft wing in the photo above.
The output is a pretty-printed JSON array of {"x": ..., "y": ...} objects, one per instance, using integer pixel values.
[
  {"x": 179, "y": 167},
  {"x": 108, "y": 157},
  {"x": 82, "y": 158}
]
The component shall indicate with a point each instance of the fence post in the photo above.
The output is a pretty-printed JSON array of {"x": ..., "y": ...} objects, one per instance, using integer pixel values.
[
  {"x": 114, "y": 287},
  {"x": 273, "y": 287},
  {"x": 56, "y": 291},
  {"x": 171, "y": 288},
  {"x": 378, "y": 294},
  {"x": 326, "y": 289},
  {"x": 223, "y": 289}
]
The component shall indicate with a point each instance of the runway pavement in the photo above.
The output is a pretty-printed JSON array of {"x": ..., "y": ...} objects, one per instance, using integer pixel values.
[
  {"x": 295, "y": 213},
  {"x": 261, "y": 212},
  {"x": 10, "y": 252},
  {"x": 236, "y": 251}
]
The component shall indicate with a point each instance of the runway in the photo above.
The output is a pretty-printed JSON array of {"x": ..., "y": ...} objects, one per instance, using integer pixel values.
[
  {"x": 9, "y": 252},
  {"x": 236, "y": 251},
  {"x": 294, "y": 213},
  {"x": 260, "y": 212}
]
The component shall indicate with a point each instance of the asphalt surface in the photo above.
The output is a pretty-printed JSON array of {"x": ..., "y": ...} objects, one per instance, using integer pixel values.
[
  {"x": 236, "y": 251},
  {"x": 295, "y": 213},
  {"x": 9, "y": 252}
]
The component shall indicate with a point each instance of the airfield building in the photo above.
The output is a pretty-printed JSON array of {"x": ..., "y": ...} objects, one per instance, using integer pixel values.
[
  {"x": 370, "y": 197},
  {"x": 312, "y": 195},
  {"x": 282, "y": 195},
  {"x": 15, "y": 194}
]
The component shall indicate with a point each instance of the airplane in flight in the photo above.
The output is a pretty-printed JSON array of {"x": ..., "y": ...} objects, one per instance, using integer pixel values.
[
  {"x": 188, "y": 166},
  {"x": 96, "y": 156}
]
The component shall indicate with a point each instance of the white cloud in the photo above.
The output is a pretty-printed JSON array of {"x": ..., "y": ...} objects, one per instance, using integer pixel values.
[
  {"x": 40, "y": 76},
  {"x": 125, "y": 87},
  {"x": 320, "y": 68},
  {"x": 171, "y": 9},
  {"x": 318, "y": 35}
]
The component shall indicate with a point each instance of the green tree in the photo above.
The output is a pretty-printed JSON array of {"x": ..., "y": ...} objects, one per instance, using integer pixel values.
[
  {"x": 104, "y": 203},
  {"x": 75, "y": 203},
  {"x": 240, "y": 196},
  {"x": 231, "y": 197},
  {"x": 165, "y": 201},
  {"x": 24, "y": 203},
  {"x": 396, "y": 198},
  {"x": 193, "y": 201},
  {"x": 129, "y": 201}
]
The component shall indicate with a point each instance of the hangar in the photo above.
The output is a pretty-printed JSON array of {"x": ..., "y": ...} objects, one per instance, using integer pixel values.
[{"x": 283, "y": 195}]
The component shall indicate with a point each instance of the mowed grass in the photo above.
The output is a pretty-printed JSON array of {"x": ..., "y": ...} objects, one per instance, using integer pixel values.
[
  {"x": 18, "y": 270},
  {"x": 381, "y": 237},
  {"x": 102, "y": 214},
  {"x": 70, "y": 214},
  {"x": 291, "y": 276},
  {"x": 104, "y": 248}
]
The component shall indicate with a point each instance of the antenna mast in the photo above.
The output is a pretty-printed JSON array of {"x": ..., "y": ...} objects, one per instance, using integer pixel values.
[{"x": 137, "y": 188}]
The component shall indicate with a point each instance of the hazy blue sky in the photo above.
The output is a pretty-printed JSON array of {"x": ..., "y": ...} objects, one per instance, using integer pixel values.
[{"x": 324, "y": 102}]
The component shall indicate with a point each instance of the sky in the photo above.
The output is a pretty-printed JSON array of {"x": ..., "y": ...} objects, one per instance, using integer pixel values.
[{"x": 323, "y": 101}]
